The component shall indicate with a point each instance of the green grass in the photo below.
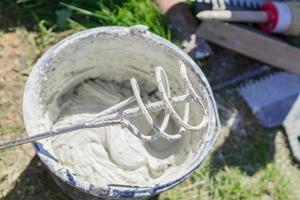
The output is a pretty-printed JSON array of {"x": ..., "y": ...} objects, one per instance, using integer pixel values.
[
  {"x": 46, "y": 17},
  {"x": 232, "y": 183},
  {"x": 243, "y": 167},
  {"x": 126, "y": 13}
]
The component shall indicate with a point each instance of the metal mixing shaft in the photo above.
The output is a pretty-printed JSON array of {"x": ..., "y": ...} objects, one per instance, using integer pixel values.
[{"x": 117, "y": 115}]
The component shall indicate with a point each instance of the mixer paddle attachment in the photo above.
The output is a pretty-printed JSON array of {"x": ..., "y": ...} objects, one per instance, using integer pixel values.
[{"x": 118, "y": 115}]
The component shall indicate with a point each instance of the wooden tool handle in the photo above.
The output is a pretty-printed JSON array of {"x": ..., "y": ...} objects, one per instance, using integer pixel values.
[
  {"x": 233, "y": 16},
  {"x": 252, "y": 44}
]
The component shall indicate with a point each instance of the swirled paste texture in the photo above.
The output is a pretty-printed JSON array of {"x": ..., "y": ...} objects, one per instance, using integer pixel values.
[{"x": 112, "y": 155}]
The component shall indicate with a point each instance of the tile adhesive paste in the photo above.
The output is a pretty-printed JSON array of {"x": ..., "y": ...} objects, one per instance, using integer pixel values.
[{"x": 89, "y": 72}]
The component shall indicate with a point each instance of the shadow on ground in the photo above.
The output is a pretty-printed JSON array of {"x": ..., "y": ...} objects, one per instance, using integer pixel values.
[
  {"x": 248, "y": 146},
  {"x": 35, "y": 183},
  {"x": 249, "y": 153}
]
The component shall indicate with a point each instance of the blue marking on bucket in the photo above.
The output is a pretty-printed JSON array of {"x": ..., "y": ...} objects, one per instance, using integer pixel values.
[
  {"x": 71, "y": 178},
  {"x": 126, "y": 191},
  {"x": 39, "y": 147},
  {"x": 124, "y": 194}
]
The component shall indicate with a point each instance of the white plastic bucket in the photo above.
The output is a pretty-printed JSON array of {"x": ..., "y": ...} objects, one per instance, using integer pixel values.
[{"x": 90, "y": 54}]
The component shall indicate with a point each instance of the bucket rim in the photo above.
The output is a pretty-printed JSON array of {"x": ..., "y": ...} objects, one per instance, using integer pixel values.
[{"x": 116, "y": 191}]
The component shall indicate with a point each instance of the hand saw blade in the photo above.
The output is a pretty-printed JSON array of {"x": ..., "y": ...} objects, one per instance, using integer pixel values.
[{"x": 271, "y": 97}]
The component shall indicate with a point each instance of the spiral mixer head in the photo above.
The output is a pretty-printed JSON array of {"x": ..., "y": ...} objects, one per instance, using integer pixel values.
[{"x": 118, "y": 115}]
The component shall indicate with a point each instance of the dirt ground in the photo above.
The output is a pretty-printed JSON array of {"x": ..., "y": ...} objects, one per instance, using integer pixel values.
[{"x": 22, "y": 175}]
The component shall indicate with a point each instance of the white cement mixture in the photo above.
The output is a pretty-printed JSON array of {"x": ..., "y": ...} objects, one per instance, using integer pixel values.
[{"x": 113, "y": 155}]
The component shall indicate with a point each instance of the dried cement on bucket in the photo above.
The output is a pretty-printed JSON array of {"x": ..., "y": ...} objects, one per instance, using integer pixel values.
[{"x": 89, "y": 72}]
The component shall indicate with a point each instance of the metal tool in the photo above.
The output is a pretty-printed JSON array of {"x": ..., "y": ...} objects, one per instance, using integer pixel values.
[
  {"x": 274, "y": 100},
  {"x": 116, "y": 115},
  {"x": 272, "y": 97},
  {"x": 242, "y": 77}
]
